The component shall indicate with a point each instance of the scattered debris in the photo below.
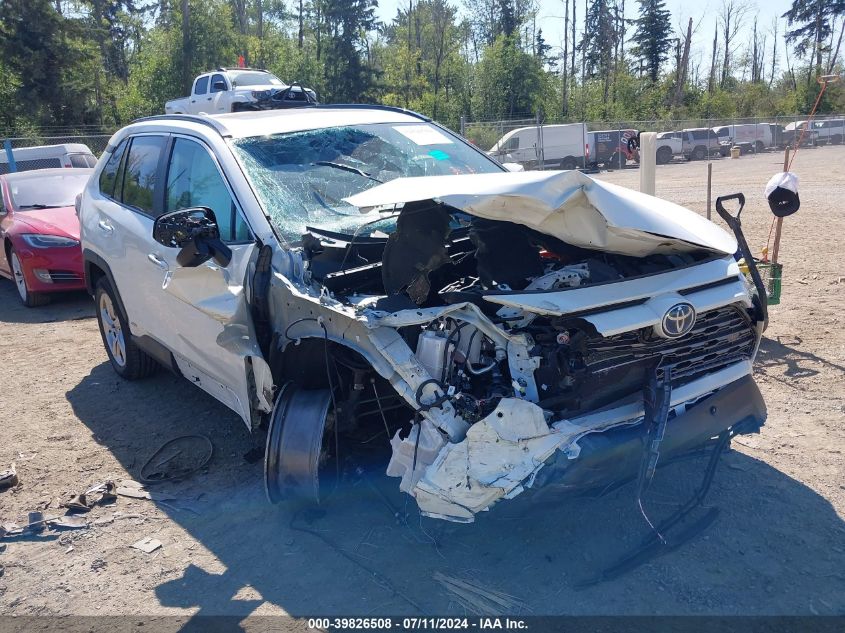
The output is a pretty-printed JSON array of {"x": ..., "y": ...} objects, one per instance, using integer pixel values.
[
  {"x": 10, "y": 529},
  {"x": 36, "y": 522},
  {"x": 135, "y": 490},
  {"x": 69, "y": 522},
  {"x": 478, "y": 599},
  {"x": 100, "y": 494},
  {"x": 147, "y": 545},
  {"x": 97, "y": 564},
  {"x": 104, "y": 521},
  {"x": 9, "y": 478},
  {"x": 69, "y": 549}
]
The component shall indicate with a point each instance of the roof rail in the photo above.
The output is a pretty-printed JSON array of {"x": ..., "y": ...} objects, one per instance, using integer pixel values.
[
  {"x": 222, "y": 69},
  {"x": 368, "y": 106},
  {"x": 192, "y": 118}
]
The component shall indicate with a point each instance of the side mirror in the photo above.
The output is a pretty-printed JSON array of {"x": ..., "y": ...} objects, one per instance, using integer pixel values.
[
  {"x": 218, "y": 86},
  {"x": 194, "y": 231}
]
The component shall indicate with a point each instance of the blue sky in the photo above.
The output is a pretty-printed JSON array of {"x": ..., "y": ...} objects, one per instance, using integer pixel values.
[{"x": 704, "y": 14}]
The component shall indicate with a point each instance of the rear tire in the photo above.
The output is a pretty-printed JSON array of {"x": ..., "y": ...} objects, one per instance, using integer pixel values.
[
  {"x": 127, "y": 359},
  {"x": 568, "y": 163},
  {"x": 699, "y": 153},
  {"x": 759, "y": 147},
  {"x": 28, "y": 298},
  {"x": 664, "y": 155}
]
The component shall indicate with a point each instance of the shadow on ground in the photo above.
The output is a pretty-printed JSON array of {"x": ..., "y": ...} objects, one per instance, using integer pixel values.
[
  {"x": 63, "y": 306},
  {"x": 771, "y": 551}
]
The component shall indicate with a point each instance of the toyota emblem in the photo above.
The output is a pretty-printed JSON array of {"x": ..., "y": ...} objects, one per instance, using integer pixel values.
[{"x": 678, "y": 320}]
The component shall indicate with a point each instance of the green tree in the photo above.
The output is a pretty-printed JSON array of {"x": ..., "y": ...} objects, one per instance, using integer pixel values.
[
  {"x": 811, "y": 22},
  {"x": 653, "y": 35}
]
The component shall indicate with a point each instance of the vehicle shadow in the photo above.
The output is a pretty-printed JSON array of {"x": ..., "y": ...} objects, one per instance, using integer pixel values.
[
  {"x": 366, "y": 551},
  {"x": 791, "y": 361},
  {"x": 63, "y": 306}
]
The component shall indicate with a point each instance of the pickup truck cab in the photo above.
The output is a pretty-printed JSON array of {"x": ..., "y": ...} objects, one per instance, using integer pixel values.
[
  {"x": 669, "y": 144},
  {"x": 225, "y": 90}
]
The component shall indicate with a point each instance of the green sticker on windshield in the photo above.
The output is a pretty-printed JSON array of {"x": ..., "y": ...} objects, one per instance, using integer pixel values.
[{"x": 438, "y": 154}]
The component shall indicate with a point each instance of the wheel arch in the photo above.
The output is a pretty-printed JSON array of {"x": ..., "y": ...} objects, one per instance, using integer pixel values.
[{"x": 96, "y": 268}]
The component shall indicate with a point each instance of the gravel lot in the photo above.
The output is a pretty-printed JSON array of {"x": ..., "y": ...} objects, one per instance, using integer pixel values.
[{"x": 777, "y": 547}]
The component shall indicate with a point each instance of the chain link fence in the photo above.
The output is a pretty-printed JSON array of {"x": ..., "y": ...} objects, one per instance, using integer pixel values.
[{"x": 538, "y": 143}]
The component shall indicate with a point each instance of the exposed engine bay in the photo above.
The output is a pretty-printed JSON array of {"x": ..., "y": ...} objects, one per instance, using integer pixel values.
[{"x": 489, "y": 345}]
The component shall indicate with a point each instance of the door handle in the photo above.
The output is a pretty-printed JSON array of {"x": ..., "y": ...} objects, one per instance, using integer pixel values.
[
  {"x": 105, "y": 226},
  {"x": 158, "y": 261},
  {"x": 209, "y": 99}
]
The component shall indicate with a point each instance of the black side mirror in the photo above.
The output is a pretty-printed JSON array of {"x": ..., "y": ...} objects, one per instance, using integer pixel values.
[
  {"x": 195, "y": 231},
  {"x": 219, "y": 86}
]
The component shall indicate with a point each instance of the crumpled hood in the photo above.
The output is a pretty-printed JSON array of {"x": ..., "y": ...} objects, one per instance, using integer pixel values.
[{"x": 565, "y": 204}]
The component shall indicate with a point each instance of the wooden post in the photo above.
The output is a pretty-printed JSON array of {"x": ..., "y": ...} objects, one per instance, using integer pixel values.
[
  {"x": 779, "y": 221},
  {"x": 709, "y": 189}
]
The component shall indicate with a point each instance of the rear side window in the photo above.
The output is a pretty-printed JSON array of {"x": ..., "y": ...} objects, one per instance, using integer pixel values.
[
  {"x": 216, "y": 79},
  {"x": 141, "y": 172},
  {"x": 202, "y": 86},
  {"x": 82, "y": 160},
  {"x": 108, "y": 176}
]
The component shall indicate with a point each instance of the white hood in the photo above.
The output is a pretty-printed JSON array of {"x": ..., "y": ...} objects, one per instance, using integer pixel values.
[{"x": 565, "y": 204}]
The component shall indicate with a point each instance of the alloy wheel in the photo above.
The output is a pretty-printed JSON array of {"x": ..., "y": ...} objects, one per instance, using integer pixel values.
[{"x": 115, "y": 340}]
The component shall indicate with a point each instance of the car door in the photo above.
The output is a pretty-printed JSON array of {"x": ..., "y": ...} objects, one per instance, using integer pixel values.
[
  {"x": 218, "y": 95},
  {"x": 5, "y": 223},
  {"x": 204, "y": 318},
  {"x": 199, "y": 99},
  {"x": 123, "y": 222}
]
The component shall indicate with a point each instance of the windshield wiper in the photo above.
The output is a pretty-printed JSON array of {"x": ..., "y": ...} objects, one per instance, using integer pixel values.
[
  {"x": 41, "y": 206},
  {"x": 350, "y": 168}
]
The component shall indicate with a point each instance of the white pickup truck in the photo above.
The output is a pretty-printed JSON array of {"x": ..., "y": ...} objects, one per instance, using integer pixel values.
[
  {"x": 669, "y": 144},
  {"x": 226, "y": 90}
]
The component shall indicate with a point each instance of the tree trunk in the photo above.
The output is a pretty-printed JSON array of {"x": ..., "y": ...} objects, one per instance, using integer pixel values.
[
  {"x": 187, "y": 80},
  {"x": 564, "y": 106},
  {"x": 301, "y": 25},
  {"x": 572, "y": 68},
  {"x": 835, "y": 54},
  {"x": 711, "y": 84},
  {"x": 683, "y": 67}
]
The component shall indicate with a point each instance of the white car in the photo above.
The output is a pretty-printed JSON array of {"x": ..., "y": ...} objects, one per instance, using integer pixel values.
[
  {"x": 669, "y": 144},
  {"x": 225, "y": 90},
  {"x": 373, "y": 289}
]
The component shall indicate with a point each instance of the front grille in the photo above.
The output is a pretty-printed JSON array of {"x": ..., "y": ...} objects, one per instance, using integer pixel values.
[
  {"x": 720, "y": 338},
  {"x": 66, "y": 276}
]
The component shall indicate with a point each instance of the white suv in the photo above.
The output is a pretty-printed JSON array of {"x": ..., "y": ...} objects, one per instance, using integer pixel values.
[{"x": 372, "y": 287}]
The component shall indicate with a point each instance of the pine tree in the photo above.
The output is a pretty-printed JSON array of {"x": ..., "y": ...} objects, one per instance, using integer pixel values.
[
  {"x": 599, "y": 40},
  {"x": 653, "y": 35},
  {"x": 812, "y": 25}
]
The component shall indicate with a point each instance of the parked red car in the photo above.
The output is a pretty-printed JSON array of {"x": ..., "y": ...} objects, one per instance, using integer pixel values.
[{"x": 39, "y": 231}]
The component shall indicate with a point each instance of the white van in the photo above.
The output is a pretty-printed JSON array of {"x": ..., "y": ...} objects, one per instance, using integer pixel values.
[
  {"x": 47, "y": 156},
  {"x": 565, "y": 146},
  {"x": 757, "y": 135}
]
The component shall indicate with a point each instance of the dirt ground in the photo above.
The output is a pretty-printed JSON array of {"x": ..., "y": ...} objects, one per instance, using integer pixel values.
[{"x": 777, "y": 546}]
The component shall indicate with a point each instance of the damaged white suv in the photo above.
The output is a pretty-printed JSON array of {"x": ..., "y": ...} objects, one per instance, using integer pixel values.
[{"x": 371, "y": 287}]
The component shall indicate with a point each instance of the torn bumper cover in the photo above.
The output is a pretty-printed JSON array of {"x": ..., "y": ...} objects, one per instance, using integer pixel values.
[{"x": 514, "y": 448}]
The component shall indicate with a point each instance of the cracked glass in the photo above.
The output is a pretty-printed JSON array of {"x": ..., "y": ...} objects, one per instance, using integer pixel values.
[{"x": 301, "y": 178}]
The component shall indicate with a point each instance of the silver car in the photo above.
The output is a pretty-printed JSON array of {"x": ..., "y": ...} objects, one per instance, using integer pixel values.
[{"x": 371, "y": 289}]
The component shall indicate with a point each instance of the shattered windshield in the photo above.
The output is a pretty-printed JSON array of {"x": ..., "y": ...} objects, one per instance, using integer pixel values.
[{"x": 301, "y": 178}]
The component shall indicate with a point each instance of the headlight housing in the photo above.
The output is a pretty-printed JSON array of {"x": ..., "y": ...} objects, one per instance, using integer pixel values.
[{"x": 36, "y": 240}]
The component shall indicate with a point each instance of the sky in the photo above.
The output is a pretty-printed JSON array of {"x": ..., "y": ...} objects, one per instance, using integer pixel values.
[{"x": 703, "y": 13}]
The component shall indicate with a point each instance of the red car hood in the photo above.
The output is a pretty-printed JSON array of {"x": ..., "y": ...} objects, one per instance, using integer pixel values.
[{"x": 62, "y": 221}]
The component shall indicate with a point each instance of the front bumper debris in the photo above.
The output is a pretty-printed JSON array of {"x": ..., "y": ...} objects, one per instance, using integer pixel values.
[{"x": 514, "y": 449}]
